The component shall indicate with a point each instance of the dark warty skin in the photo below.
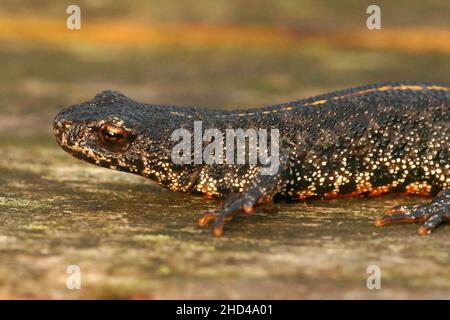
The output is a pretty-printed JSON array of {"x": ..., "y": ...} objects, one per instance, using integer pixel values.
[{"x": 369, "y": 140}]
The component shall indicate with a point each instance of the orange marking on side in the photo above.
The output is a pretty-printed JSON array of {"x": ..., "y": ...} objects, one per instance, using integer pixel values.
[
  {"x": 208, "y": 196},
  {"x": 378, "y": 191},
  {"x": 334, "y": 194},
  {"x": 302, "y": 195},
  {"x": 417, "y": 188}
]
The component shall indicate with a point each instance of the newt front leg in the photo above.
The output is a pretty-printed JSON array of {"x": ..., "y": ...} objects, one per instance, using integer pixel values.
[{"x": 260, "y": 191}]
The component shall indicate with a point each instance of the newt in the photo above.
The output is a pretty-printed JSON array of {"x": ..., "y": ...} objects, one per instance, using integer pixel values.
[{"x": 368, "y": 140}]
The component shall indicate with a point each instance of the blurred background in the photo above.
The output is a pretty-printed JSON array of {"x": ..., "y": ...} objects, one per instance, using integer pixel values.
[{"x": 137, "y": 240}]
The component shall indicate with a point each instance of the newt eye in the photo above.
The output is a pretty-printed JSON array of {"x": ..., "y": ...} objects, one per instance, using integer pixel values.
[{"x": 114, "y": 138}]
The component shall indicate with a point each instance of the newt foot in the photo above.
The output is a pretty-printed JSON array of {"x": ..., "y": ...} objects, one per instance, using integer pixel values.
[{"x": 431, "y": 215}]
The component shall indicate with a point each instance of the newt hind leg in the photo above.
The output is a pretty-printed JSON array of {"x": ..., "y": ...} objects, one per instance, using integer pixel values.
[{"x": 432, "y": 215}]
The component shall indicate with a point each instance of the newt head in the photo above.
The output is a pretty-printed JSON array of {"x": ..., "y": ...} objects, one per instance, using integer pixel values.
[
  {"x": 116, "y": 132},
  {"x": 103, "y": 131}
]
